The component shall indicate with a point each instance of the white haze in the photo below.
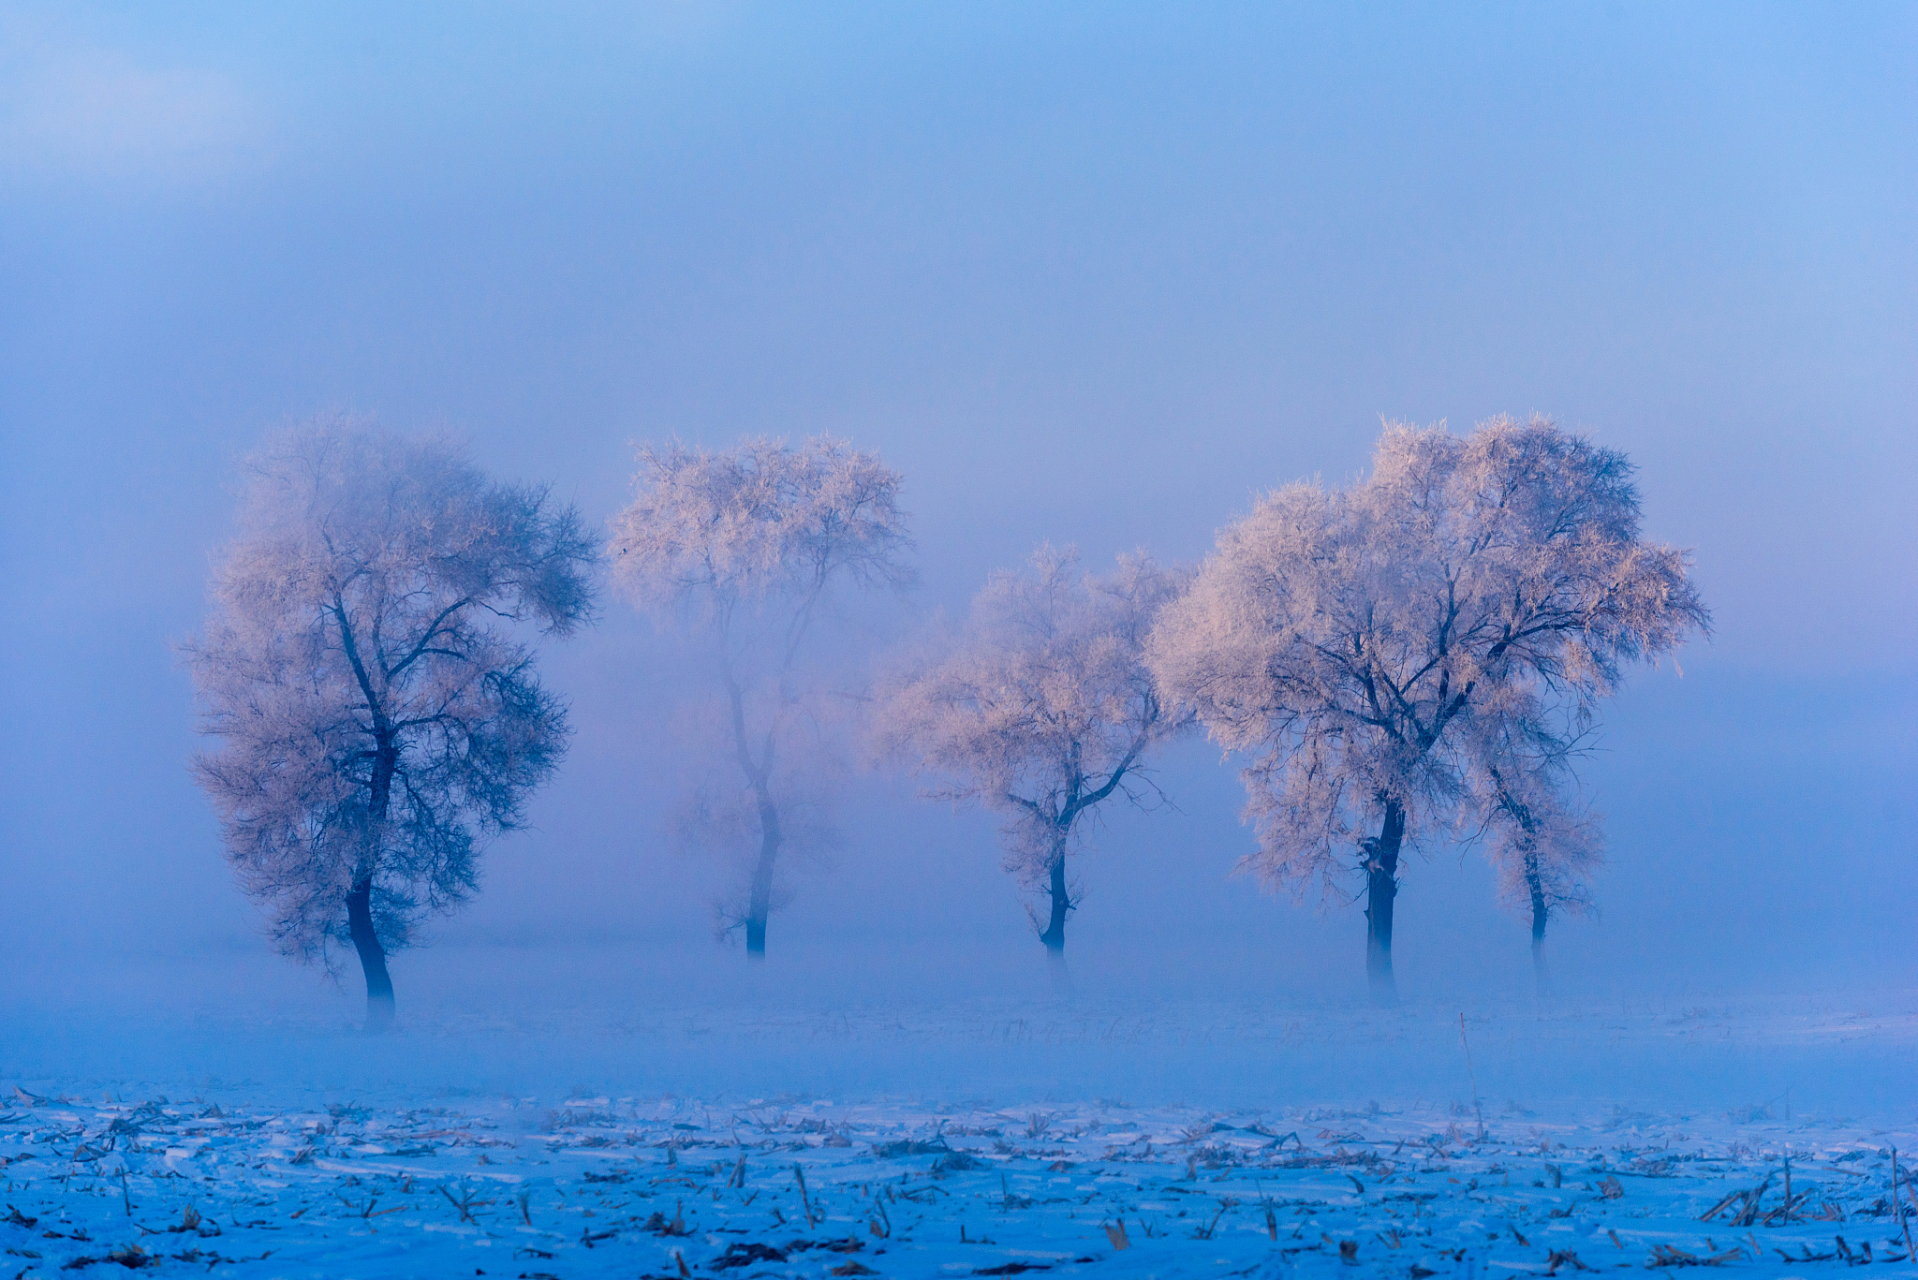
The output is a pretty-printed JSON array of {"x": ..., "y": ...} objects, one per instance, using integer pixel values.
[{"x": 1085, "y": 277}]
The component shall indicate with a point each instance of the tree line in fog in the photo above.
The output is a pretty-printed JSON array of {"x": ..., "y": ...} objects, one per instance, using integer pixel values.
[{"x": 1417, "y": 657}]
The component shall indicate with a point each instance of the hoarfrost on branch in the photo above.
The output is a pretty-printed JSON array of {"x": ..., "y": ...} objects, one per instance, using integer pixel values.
[
  {"x": 378, "y": 715},
  {"x": 1424, "y": 649},
  {"x": 1042, "y": 708},
  {"x": 742, "y": 550}
]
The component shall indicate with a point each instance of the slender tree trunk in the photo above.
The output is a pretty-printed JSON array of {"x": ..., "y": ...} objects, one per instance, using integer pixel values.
[
  {"x": 759, "y": 901},
  {"x": 359, "y": 900},
  {"x": 1055, "y": 935},
  {"x": 1541, "y": 910},
  {"x": 759, "y": 906},
  {"x": 1381, "y": 887},
  {"x": 379, "y": 985}
]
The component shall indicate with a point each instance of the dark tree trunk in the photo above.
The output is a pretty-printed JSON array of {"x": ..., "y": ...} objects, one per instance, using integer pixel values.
[
  {"x": 759, "y": 899},
  {"x": 1381, "y": 887},
  {"x": 759, "y": 905},
  {"x": 379, "y": 986},
  {"x": 359, "y": 901},
  {"x": 1541, "y": 910},
  {"x": 1055, "y": 935}
]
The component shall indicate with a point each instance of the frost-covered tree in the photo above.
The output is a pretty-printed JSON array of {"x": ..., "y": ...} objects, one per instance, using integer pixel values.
[
  {"x": 378, "y": 715},
  {"x": 1042, "y": 709},
  {"x": 1542, "y": 844},
  {"x": 741, "y": 550},
  {"x": 1350, "y": 639}
]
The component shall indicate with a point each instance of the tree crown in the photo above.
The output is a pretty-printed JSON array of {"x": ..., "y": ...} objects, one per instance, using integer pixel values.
[
  {"x": 764, "y": 525},
  {"x": 1041, "y": 706},
  {"x": 376, "y": 716},
  {"x": 1348, "y": 639}
]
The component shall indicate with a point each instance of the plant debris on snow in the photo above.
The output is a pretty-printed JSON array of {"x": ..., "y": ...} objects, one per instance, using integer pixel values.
[{"x": 793, "y": 1188}]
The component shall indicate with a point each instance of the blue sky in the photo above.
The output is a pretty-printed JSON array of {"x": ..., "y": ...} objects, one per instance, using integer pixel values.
[{"x": 1089, "y": 273}]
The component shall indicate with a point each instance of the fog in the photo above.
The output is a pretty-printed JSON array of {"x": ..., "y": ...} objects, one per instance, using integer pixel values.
[{"x": 1084, "y": 275}]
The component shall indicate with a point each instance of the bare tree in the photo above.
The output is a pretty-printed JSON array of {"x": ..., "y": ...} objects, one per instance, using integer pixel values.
[
  {"x": 742, "y": 550},
  {"x": 1042, "y": 709},
  {"x": 377, "y": 716},
  {"x": 1347, "y": 639}
]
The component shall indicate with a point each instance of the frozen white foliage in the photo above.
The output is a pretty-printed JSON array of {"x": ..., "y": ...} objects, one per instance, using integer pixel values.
[
  {"x": 1422, "y": 649},
  {"x": 742, "y": 549},
  {"x": 376, "y": 717},
  {"x": 1542, "y": 844},
  {"x": 1042, "y": 708}
]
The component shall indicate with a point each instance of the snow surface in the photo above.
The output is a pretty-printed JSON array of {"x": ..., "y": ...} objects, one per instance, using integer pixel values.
[{"x": 384, "y": 1173}]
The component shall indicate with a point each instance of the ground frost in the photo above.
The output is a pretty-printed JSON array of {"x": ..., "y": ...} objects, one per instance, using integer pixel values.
[{"x": 672, "y": 1187}]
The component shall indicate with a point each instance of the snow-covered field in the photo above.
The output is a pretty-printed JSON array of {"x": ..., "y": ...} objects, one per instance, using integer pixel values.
[{"x": 383, "y": 1173}]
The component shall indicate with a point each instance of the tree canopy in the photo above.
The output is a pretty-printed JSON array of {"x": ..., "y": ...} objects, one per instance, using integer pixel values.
[
  {"x": 1423, "y": 646},
  {"x": 378, "y": 712},
  {"x": 1041, "y": 707},
  {"x": 742, "y": 549}
]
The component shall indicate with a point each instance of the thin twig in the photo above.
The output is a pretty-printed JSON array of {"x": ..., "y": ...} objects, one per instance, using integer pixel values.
[
  {"x": 1898, "y": 1203},
  {"x": 804, "y": 1200},
  {"x": 1471, "y": 1073}
]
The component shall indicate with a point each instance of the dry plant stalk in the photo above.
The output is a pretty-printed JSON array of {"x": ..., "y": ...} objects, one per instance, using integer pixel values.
[
  {"x": 1898, "y": 1203},
  {"x": 804, "y": 1199}
]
